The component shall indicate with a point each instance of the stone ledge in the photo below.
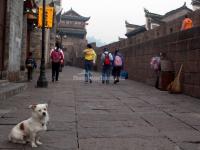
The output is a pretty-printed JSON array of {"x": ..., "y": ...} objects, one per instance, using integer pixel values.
[{"x": 11, "y": 89}]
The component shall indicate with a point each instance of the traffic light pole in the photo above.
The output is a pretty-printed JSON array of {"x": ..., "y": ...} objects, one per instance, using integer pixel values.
[{"x": 42, "y": 81}]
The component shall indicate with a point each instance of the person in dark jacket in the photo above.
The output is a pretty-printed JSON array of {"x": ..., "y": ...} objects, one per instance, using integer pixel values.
[{"x": 30, "y": 65}]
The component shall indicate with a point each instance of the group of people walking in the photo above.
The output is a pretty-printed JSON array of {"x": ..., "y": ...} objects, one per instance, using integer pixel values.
[{"x": 111, "y": 64}]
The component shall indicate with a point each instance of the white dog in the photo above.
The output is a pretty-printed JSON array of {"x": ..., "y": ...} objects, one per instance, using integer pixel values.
[{"x": 27, "y": 130}]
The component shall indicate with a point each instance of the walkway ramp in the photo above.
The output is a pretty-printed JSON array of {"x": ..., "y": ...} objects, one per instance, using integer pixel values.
[{"x": 126, "y": 116}]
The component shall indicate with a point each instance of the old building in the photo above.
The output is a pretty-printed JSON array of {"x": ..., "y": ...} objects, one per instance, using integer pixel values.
[
  {"x": 72, "y": 34},
  {"x": 154, "y": 20},
  {"x": 29, "y": 24},
  {"x": 11, "y": 25},
  {"x": 19, "y": 35},
  {"x": 196, "y": 4},
  {"x": 50, "y": 34}
]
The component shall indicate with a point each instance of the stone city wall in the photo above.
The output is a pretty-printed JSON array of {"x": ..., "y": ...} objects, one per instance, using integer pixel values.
[{"x": 182, "y": 47}]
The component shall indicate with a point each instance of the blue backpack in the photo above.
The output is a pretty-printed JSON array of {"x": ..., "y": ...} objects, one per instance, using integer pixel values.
[{"x": 124, "y": 74}]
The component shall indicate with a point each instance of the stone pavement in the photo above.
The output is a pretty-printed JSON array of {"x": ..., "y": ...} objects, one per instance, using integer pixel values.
[{"x": 127, "y": 116}]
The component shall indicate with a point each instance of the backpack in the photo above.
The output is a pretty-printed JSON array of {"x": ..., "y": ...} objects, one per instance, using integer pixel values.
[
  {"x": 118, "y": 61},
  {"x": 56, "y": 56},
  {"x": 29, "y": 63},
  {"x": 107, "y": 59},
  {"x": 155, "y": 63},
  {"x": 124, "y": 74}
]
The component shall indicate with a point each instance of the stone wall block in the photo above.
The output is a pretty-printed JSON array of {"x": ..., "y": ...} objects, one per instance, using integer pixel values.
[
  {"x": 188, "y": 89},
  {"x": 186, "y": 34},
  {"x": 182, "y": 46},
  {"x": 172, "y": 47},
  {"x": 195, "y": 43}
]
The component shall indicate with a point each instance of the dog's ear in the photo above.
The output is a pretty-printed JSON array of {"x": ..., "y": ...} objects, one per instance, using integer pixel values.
[
  {"x": 46, "y": 105},
  {"x": 32, "y": 106}
]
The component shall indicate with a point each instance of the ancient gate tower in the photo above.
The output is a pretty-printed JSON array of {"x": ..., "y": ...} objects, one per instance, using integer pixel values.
[{"x": 71, "y": 33}]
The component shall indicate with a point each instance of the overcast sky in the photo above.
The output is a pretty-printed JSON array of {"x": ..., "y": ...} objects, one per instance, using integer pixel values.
[{"x": 108, "y": 17}]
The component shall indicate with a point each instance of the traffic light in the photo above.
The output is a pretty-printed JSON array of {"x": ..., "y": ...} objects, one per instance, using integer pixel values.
[{"x": 49, "y": 12}]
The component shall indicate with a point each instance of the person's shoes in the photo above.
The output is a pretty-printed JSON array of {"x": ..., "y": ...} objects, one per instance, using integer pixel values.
[
  {"x": 86, "y": 81},
  {"x": 103, "y": 81},
  {"x": 53, "y": 80},
  {"x": 90, "y": 81},
  {"x": 107, "y": 81},
  {"x": 115, "y": 82}
]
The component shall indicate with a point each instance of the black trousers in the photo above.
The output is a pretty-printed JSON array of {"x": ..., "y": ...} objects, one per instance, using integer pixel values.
[
  {"x": 30, "y": 72},
  {"x": 55, "y": 71},
  {"x": 116, "y": 71},
  {"x": 157, "y": 82}
]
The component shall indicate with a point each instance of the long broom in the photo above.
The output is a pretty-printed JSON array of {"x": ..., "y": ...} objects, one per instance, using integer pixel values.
[{"x": 175, "y": 86}]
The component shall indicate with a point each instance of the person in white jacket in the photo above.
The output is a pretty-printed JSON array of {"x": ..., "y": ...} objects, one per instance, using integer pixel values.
[{"x": 106, "y": 60}]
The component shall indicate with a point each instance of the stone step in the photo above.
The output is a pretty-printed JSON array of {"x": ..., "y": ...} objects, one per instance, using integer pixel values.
[
  {"x": 9, "y": 89},
  {"x": 3, "y": 83}
]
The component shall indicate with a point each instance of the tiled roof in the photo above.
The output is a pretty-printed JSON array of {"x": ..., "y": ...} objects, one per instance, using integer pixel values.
[
  {"x": 158, "y": 18},
  {"x": 195, "y": 2},
  {"x": 152, "y": 15},
  {"x": 136, "y": 31},
  {"x": 71, "y": 31},
  {"x": 73, "y": 16},
  {"x": 177, "y": 10},
  {"x": 131, "y": 25}
]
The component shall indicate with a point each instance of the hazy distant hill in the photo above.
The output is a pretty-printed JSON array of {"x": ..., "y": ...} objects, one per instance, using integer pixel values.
[{"x": 92, "y": 39}]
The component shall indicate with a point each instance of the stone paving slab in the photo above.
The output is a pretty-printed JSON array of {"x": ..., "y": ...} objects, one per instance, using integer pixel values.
[
  {"x": 108, "y": 117},
  {"x": 172, "y": 108},
  {"x": 126, "y": 144},
  {"x": 4, "y": 111},
  {"x": 54, "y": 140},
  {"x": 164, "y": 122},
  {"x": 126, "y": 116},
  {"x": 183, "y": 135},
  {"x": 120, "y": 132},
  {"x": 112, "y": 124},
  {"x": 189, "y": 118},
  {"x": 4, "y": 143},
  {"x": 190, "y": 146}
]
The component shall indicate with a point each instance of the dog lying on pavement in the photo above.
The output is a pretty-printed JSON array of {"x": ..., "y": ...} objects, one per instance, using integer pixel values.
[{"x": 27, "y": 130}]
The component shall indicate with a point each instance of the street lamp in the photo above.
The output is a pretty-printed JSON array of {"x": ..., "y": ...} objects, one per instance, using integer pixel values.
[
  {"x": 42, "y": 81},
  {"x": 62, "y": 35}
]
